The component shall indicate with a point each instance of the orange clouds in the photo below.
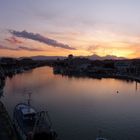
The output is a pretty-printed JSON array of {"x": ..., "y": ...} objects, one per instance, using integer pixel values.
[
  {"x": 113, "y": 48},
  {"x": 85, "y": 43},
  {"x": 13, "y": 40}
]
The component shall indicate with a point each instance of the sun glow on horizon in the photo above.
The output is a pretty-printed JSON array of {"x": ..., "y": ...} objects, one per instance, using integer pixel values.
[{"x": 54, "y": 28}]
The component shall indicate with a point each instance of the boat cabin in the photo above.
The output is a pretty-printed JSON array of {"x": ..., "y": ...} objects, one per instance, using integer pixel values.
[{"x": 28, "y": 114}]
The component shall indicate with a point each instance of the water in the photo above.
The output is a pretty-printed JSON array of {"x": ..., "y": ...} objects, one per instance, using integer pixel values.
[{"x": 80, "y": 107}]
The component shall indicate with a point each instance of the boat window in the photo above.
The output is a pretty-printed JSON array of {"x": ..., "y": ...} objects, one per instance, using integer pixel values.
[{"x": 29, "y": 116}]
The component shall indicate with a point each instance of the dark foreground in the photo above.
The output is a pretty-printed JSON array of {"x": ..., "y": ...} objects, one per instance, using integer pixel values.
[{"x": 6, "y": 128}]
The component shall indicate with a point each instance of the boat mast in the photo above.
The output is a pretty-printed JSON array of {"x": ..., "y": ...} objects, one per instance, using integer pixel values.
[{"x": 29, "y": 101}]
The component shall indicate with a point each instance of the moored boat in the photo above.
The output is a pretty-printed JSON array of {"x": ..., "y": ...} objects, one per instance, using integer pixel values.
[
  {"x": 101, "y": 138},
  {"x": 32, "y": 125}
]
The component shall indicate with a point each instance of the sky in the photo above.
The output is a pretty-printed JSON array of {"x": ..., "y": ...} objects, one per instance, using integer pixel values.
[{"x": 63, "y": 27}]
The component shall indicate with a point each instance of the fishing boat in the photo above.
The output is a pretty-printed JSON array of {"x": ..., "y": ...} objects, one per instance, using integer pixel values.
[
  {"x": 100, "y": 138},
  {"x": 32, "y": 125}
]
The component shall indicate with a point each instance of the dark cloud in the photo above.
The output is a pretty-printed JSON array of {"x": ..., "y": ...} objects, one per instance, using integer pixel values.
[
  {"x": 19, "y": 48},
  {"x": 40, "y": 38},
  {"x": 28, "y": 49},
  {"x": 13, "y": 40}
]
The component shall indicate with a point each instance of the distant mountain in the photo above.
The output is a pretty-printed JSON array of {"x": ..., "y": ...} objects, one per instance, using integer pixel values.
[
  {"x": 92, "y": 57},
  {"x": 95, "y": 57},
  {"x": 107, "y": 57},
  {"x": 47, "y": 57}
]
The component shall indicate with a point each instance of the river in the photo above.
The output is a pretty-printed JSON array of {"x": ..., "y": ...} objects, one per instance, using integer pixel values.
[{"x": 79, "y": 107}]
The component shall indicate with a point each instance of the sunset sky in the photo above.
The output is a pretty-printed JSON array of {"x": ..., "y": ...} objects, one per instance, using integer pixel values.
[{"x": 62, "y": 27}]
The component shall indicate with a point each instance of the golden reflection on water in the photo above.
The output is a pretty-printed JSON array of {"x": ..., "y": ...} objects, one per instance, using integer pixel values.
[{"x": 79, "y": 106}]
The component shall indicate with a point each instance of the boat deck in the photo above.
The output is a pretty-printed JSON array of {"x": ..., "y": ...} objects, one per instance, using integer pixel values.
[{"x": 7, "y": 131}]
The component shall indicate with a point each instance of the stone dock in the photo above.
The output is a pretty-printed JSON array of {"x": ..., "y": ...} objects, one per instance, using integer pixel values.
[{"x": 7, "y": 131}]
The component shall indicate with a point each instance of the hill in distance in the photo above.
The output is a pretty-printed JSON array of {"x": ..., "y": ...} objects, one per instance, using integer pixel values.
[
  {"x": 107, "y": 57},
  {"x": 92, "y": 57},
  {"x": 40, "y": 57}
]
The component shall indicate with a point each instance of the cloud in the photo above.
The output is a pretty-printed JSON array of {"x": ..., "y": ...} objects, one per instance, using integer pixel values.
[
  {"x": 40, "y": 38},
  {"x": 7, "y": 48},
  {"x": 13, "y": 40},
  {"x": 93, "y": 49},
  {"x": 19, "y": 48},
  {"x": 28, "y": 49}
]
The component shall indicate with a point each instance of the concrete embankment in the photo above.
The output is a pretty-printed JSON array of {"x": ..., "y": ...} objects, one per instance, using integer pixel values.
[{"x": 7, "y": 131}]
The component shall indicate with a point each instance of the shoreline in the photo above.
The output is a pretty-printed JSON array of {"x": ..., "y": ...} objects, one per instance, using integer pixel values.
[
  {"x": 6, "y": 126},
  {"x": 100, "y": 76}
]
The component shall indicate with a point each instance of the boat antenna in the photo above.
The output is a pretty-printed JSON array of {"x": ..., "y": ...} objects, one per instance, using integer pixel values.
[{"x": 29, "y": 101}]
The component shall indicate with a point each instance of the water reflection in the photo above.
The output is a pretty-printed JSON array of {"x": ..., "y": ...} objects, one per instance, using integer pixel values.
[
  {"x": 79, "y": 107},
  {"x": 1, "y": 92},
  {"x": 2, "y": 84}
]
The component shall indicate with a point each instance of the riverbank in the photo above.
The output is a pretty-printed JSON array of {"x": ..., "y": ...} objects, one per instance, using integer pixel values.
[
  {"x": 82, "y": 67},
  {"x": 7, "y": 131},
  {"x": 94, "y": 74},
  {"x": 10, "y": 67}
]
